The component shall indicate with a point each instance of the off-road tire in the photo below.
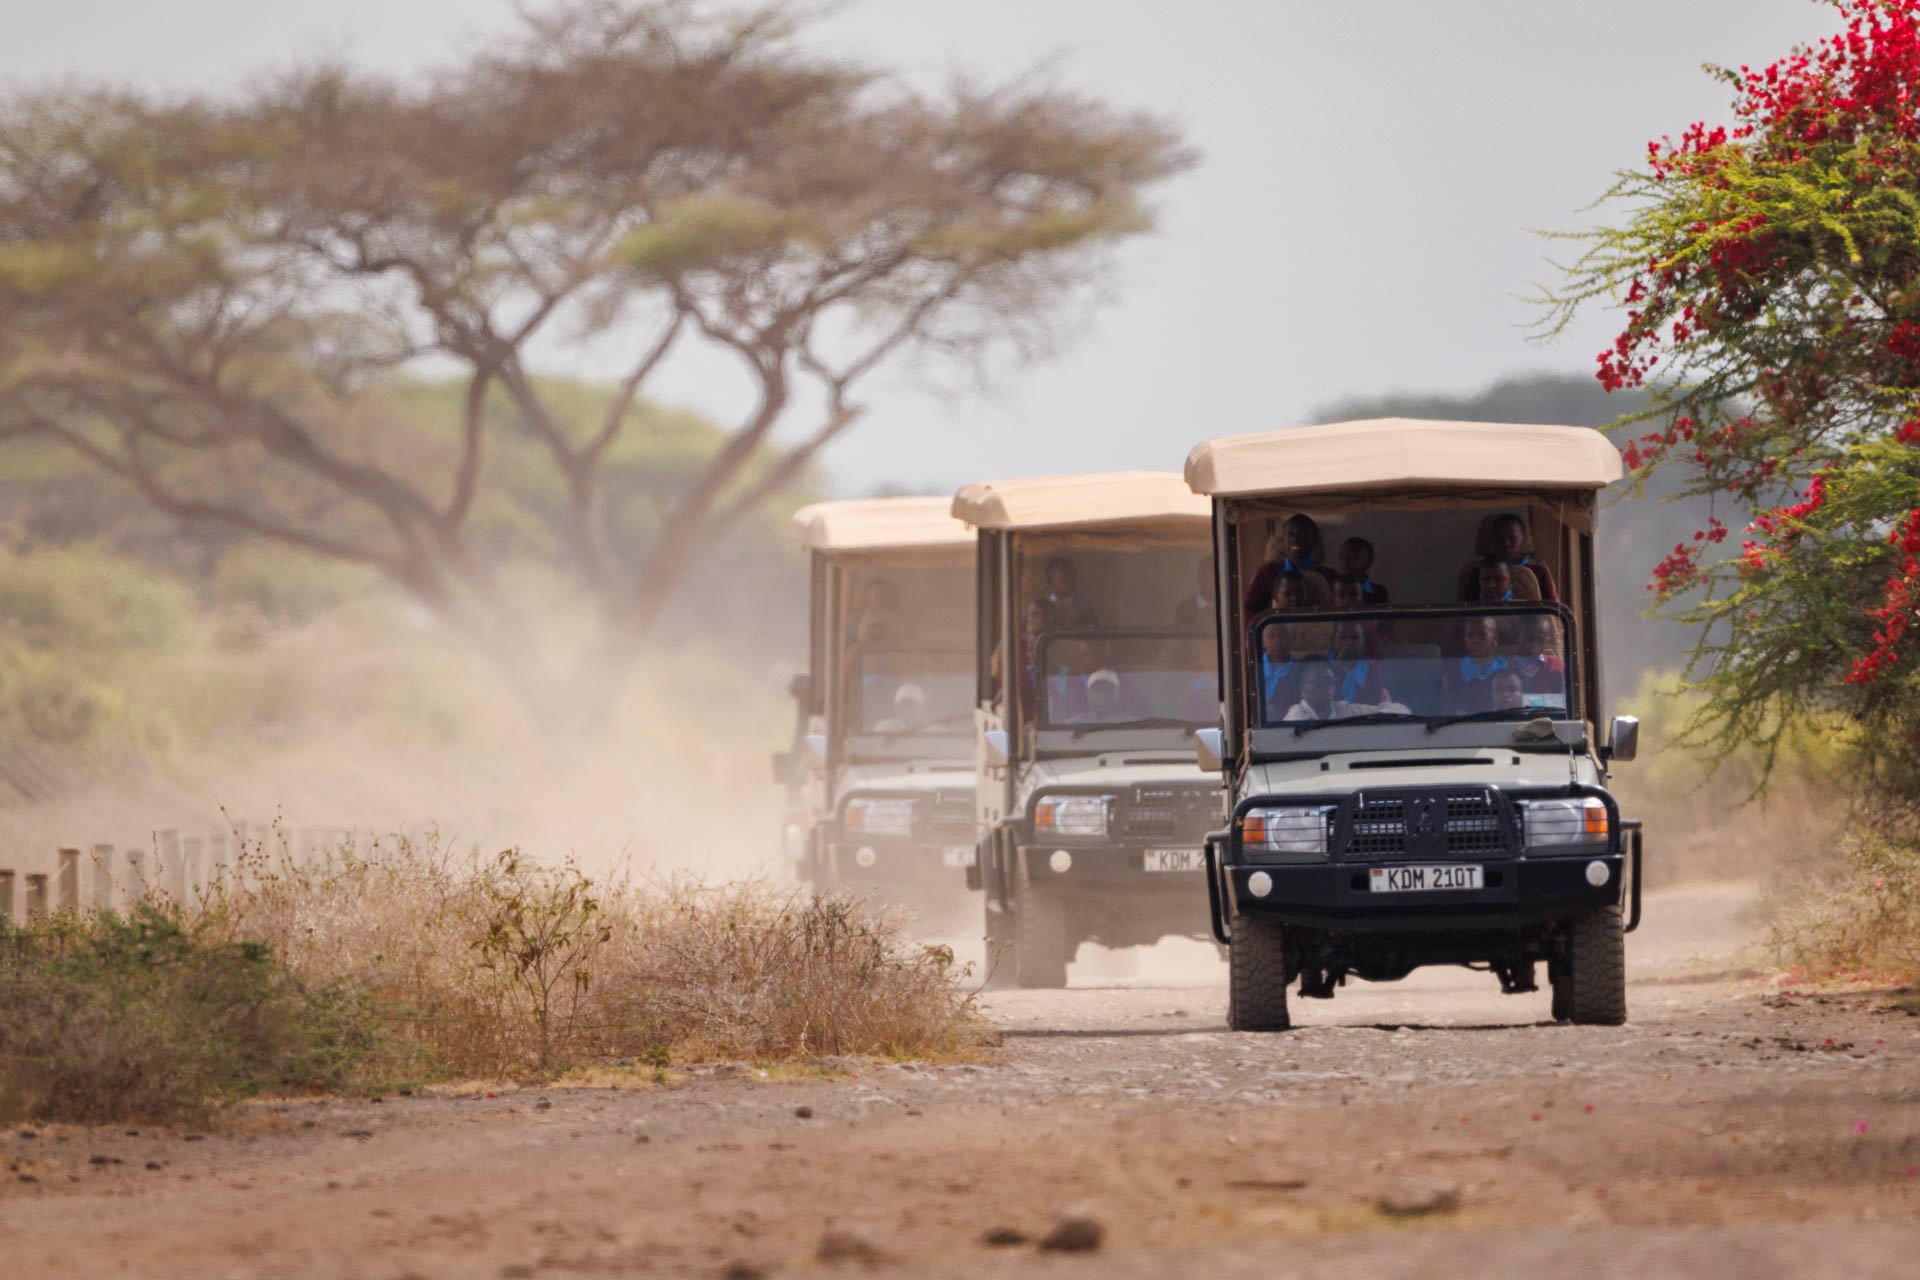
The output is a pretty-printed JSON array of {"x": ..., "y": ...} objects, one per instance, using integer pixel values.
[
  {"x": 1257, "y": 976},
  {"x": 1598, "y": 976},
  {"x": 1042, "y": 944}
]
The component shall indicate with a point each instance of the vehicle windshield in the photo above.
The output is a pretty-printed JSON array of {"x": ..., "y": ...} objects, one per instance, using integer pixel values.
[
  {"x": 913, "y": 691},
  {"x": 1094, "y": 679},
  {"x": 1436, "y": 665}
]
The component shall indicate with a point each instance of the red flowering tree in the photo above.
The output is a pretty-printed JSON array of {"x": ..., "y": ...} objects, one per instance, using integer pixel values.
[{"x": 1769, "y": 269}]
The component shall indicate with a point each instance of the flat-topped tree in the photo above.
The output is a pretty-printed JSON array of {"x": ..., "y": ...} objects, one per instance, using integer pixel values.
[{"x": 204, "y": 296}]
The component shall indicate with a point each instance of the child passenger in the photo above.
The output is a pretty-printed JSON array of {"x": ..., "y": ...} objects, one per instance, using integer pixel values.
[
  {"x": 1468, "y": 684},
  {"x": 1512, "y": 543},
  {"x": 1495, "y": 581},
  {"x": 1508, "y": 693},
  {"x": 1543, "y": 672},
  {"x": 1353, "y": 665},
  {"x": 1277, "y": 685},
  {"x": 1356, "y": 562},
  {"x": 1298, "y": 549}
]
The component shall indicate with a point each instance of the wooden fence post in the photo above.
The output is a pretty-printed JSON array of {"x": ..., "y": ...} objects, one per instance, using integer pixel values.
[
  {"x": 66, "y": 894},
  {"x": 36, "y": 898},
  {"x": 6, "y": 897}
]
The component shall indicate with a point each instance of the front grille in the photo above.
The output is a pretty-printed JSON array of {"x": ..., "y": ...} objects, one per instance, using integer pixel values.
[
  {"x": 1169, "y": 813},
  {"x": 950, "y": 818},
  {"x": 1463, "y": 823}
]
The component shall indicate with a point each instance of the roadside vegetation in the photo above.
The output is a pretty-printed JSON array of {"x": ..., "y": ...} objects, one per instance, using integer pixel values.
[
  {"x": 1770, "y": 362},
  {"x": 414, "y": 963}
]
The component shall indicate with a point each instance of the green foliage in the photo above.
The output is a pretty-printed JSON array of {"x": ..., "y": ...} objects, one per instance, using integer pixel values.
[
  {"x": 285, "y": 586},
  {"x": 154, "y": 1015},
  {"x": 83, "y": 599}
]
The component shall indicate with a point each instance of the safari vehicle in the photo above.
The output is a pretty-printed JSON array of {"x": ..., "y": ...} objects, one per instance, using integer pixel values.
[
  {"x": 1095, "y": 667},
  {"x": 880, "y": 776},
  {"x": 1412, "y": 814}
]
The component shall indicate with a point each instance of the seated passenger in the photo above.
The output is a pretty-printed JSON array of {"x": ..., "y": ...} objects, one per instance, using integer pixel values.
[
  {"x": 1512, "y": 542},
  {"x": 1505, "y": 536},
  {"x": 1495, "y": 581},
  {"x": 1290, "y": 595},
  {"x": 1543, "y": 672},
  {"x": 1356, "y": 562},
  {"x": 879, "y": 618},
  {"x": 1196, "y": 612},
  {"x": 1507, "y": 691},
  {"x": 1063, "y": 593},
  {"x": 1277, "y": 686},
  {"x": 1297, "y": 549},
  {"x": 1353, "y": 665},
  {"x": 1468, "y": 683},
  {"x": 1037, "y": 618},
  {"x": 1102, "y": 698},
  {"x": 1346, "y": 591},
  {"x": 1320, "y": 700},
  {"x": 909, "y": 710}
]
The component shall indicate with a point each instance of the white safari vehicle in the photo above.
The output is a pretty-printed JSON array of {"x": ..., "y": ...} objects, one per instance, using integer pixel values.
[
  {"x": 880, "y": 777},
  {"x": 1413, "y": 774},
  {"x": 1096, "y": 666}
]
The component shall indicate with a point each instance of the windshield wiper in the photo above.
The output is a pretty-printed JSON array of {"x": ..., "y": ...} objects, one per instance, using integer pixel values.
[
  {"x": 1148, "y": 722},
  {"x": 1372, "y": 717},
  {"x": 1498, "y": 713}
]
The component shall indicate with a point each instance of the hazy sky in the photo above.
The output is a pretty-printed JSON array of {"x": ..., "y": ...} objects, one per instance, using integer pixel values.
[{"x": 1358, "y": 223}]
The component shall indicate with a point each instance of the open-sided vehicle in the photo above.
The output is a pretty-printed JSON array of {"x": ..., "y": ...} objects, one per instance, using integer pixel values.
[
  {"x": 1422, "y": 782},
  {"x": 1095, "y": 668},
  {"x": 880, "y": 776}
]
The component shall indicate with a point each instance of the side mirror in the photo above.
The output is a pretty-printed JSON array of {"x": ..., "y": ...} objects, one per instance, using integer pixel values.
[
  {"x": 1623, "y": 738},
  {"x": 999, "y": 750},
  {"x": 801, "y": 686},
  {"x": 1209, "y": 750}
]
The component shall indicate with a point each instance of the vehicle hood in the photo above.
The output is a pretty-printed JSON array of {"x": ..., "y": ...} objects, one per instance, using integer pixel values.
[
  {"x": 1119, "y": 770},
  {"x": 1336, "y": 773},
  {"x": 923, "y": 777}
]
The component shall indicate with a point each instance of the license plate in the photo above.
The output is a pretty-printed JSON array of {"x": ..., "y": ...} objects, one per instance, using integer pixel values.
[
  {"x": 1176, "y": 859},
  {"x": 958, "y": 856},
  {"x": 1424, "y": 879}
]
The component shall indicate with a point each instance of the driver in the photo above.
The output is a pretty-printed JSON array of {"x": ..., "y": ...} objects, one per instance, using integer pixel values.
[
  {"x": 909, "y": 711},
  {"x": 1319, "y": 701}
]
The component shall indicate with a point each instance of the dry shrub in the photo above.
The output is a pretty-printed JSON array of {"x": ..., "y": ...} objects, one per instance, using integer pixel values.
[
  {"x": 1861, "y": 918},
  {"x": 499, "y": 965},
  {"x": 153, "y": 1015}
]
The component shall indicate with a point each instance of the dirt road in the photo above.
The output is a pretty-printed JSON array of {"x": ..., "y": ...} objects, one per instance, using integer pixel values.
[{"x": 1428, "y": 1128}]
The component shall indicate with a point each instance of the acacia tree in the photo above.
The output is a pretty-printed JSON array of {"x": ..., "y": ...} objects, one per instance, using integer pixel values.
[
  {"x": 199, "y": 296},
  {"x": 1769, "y": 268}
]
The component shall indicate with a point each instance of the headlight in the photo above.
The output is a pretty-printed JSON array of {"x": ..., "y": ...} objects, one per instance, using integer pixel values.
[
  {"x": 1280, "y": 833},
  {"x": 1072, "y": 815},
  {"x": 1578, "y": 822},
  {"x": 879, "y": 817}
]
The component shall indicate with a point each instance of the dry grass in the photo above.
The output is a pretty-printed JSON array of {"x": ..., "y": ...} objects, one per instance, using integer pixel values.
[
  {"x": 499, "y": 965},
  {"x": 413, "y": 962},
  {"x": 1860, "y": 919}
]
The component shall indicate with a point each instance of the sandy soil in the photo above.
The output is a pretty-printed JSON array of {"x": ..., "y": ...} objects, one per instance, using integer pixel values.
[{"x": 1731, "y": 1130}]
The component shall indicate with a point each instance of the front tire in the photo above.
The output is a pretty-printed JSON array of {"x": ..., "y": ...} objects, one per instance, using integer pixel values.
[
  {"x": 1257, "y": 976},
  {"x": 1598, "y": 976},
  {"x": 1043, "y": 946}
]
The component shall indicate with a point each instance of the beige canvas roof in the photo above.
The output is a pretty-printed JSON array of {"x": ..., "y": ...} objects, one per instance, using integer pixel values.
[
  {"x": 1392, "y": 453},
  {"x": 875, "y": 524},
  {"x": 1054, "y": 502}
]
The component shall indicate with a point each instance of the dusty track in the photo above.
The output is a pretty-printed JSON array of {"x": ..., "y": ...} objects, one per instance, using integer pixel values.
[{"x": 1728, "y": 1131}]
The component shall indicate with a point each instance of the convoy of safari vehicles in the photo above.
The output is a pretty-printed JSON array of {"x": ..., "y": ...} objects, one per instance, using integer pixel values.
[
  {"x": 1139, "y": 709},
  {"x": 1096, "y": 667},
  {"x": 880, "y": 777}
]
